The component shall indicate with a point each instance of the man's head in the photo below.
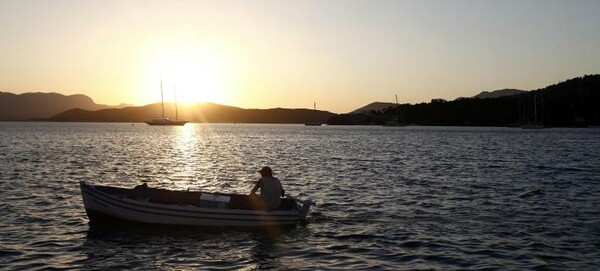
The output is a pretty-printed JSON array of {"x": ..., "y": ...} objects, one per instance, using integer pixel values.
[{"x": 266, "y": 171}]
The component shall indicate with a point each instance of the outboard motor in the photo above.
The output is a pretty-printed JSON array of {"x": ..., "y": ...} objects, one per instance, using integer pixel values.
[{"x": 303, "y": 212}]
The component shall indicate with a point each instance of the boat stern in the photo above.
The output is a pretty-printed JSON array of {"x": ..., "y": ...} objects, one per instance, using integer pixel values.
[{"x": 304, "y": 207}]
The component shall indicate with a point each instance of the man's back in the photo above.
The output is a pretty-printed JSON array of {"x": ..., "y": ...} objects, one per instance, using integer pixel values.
[{"x": 270, "y": 192}]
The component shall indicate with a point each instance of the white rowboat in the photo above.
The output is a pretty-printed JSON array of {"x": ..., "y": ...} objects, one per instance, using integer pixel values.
[{"x": 160, "y": 206}]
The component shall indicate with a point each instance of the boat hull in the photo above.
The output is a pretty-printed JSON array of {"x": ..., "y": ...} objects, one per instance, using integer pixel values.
[
  {"x": 394, "y": 124},
  {"x": 99, "y": 204},
  {"x": 167, "y": 123},
  {"x": 532, "y": 126}
]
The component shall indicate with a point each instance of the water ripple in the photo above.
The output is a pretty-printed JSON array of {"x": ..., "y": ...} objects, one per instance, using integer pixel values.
[{"x": 417, "y": 198}]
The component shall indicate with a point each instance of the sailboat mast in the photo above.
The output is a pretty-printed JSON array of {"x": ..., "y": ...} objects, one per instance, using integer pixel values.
[
  {"x": 162, "y": 101},
  {"x": 535, "y": 108},
  {"x": 397, "y": 110},
  {"x": 175, "y": 87}
]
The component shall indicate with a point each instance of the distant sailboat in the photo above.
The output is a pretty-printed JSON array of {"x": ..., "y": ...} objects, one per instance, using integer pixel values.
[
  {"x": 314, "y": 123},
  {"x": 165, "y": 121},
  {"x": 534, "y": 124},
  {"x": 396, "y": 122}
]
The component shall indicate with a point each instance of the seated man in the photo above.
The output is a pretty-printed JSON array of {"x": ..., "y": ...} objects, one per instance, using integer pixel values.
[{"x": 270, "y": 189}]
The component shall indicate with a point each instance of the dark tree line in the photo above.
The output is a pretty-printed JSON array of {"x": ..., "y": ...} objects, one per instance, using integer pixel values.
[{"x": 573, "y": 103}]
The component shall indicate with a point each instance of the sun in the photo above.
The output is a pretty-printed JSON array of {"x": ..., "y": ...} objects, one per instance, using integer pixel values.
[{"x": 190, "y": 75}]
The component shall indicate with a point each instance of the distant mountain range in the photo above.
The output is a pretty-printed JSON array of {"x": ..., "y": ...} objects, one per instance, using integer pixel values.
[
  {"x": 29, "y": 106},
  {"x": 498, "y": 93},
  {"x": 378, "y": 106},
  {"x": 58, "y": 107},
  {"x": 202, "y": 113},
  {"x": 572, "y": 103},
  {"x": 80, "y": 108},
  {"x": 575, "y": 102}
]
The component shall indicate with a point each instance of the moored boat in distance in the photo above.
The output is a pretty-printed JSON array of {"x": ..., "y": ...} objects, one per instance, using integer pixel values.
[
  {"x": 314, "y": 123},
  {"x": 532, "y": 126},
  {"x": 535, "y": 124},
  {"x": 165, "y": 121},
  {"x": 187, "y": 208},
  {"x": 396, "y": 122}
]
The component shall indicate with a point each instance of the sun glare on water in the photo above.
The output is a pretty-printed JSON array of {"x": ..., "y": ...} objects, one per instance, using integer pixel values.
[
  {"x": 189, "y": 75},
  {"x": 187, "y": 160}
]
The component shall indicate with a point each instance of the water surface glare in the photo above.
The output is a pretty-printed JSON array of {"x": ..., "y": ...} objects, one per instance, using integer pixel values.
[{"x": 401, "y": 198}]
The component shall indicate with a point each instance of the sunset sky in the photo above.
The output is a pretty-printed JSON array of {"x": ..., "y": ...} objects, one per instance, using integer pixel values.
[{"x": 263, "y": 54}]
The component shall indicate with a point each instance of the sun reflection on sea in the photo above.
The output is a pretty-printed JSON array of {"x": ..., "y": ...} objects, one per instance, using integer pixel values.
[{"x": 188, "y": 144}]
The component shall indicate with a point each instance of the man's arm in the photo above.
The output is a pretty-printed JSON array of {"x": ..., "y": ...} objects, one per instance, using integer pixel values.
[{"x": 256, "y": 187}]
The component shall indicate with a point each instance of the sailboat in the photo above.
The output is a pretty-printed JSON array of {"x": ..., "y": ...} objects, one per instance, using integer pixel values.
[
  {"x": 314, "y": 123},
  {"x": 396, "y": 122},
  {"x": 535, "y": 124},
  {"x": 165, "y": 120}
]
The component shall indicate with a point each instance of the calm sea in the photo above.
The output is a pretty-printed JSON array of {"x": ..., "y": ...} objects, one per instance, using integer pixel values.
[{"x": 403, "y": 198}]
